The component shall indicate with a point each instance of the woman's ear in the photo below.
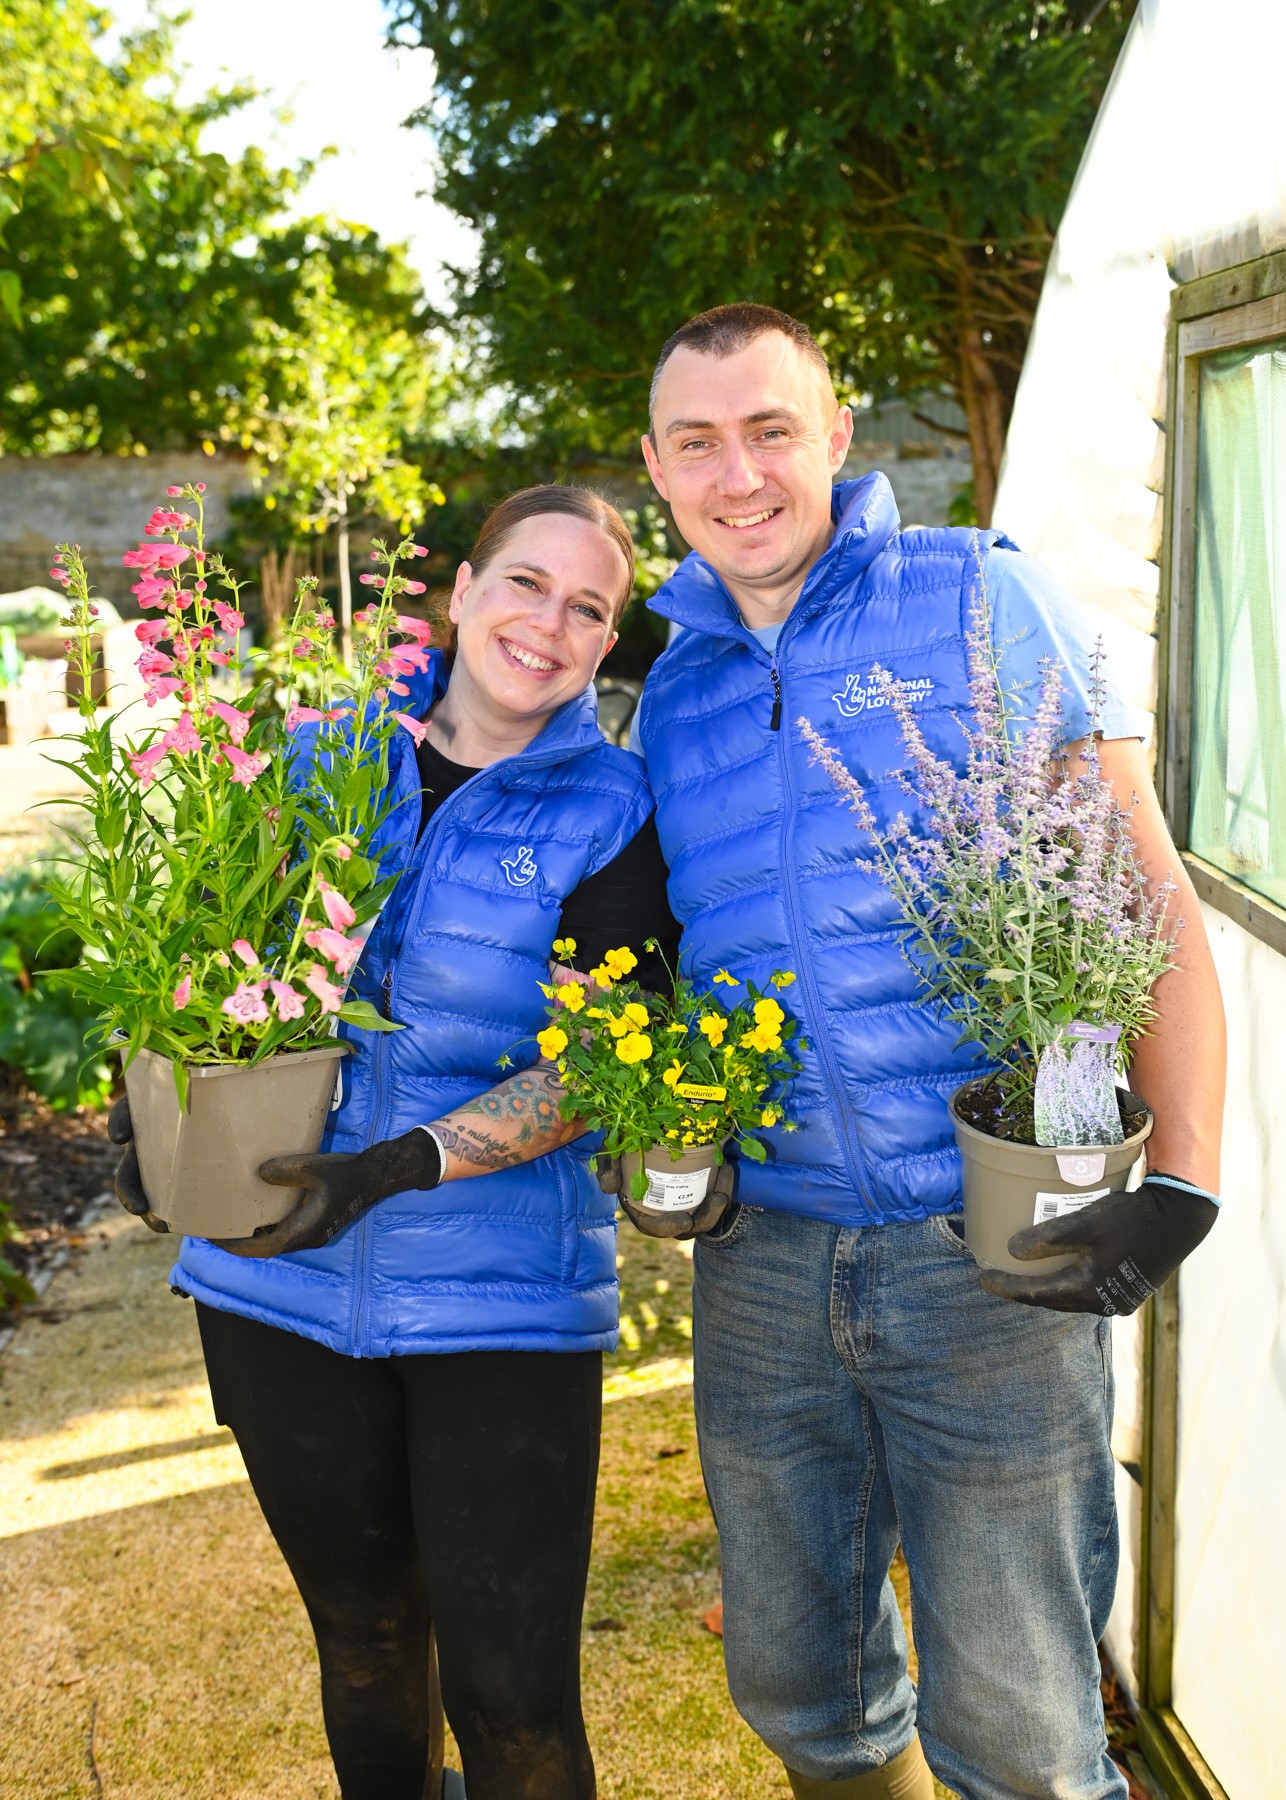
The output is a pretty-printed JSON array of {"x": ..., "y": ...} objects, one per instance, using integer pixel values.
[
  {"x": 606, "y": 649},
  {"x": 464, "y": 575}
]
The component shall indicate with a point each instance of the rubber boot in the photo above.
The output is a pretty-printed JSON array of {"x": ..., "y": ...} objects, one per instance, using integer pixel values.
[{"x": 907, "y": 1777}]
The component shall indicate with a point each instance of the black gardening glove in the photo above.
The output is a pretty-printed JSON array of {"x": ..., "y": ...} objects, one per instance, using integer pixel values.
[
  {"x": 1131, "y": 1244},
  {"x": 129, "y": 1181},
  {"x": 339, "y": 1187},
  {"x": 703, "y": 1218}
]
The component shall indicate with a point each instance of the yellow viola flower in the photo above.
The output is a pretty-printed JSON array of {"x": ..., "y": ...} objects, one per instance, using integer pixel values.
[
  {"x": 601, "y": 976},
  {"x": 723, "y": 975},
  {"x": 769, "y": 1116},
  {"x": 713, "y": 1025},
  {"x": 676, "y": 1027},
  {"x": 671, "y": 1134},
  {"x": 687, "y": 1138},
  {"x": 617, "y": 1026},
  {"x": 783, "y": 978},
  {"x": 767, "y": 1012},
  {"x": 620, "y": 962},
  {"x": 764, "y": 1037},
  {"x": 673, "y": 1074},
  {"x": 572, "y": 995},
  {"x": 595, "y": 1012},
  {"x": 636, "y": 1014},
  {"x": 552, "y": 1041},
  {"x": 635, "y": 1048},
  {"x": 564, "y": 946}
]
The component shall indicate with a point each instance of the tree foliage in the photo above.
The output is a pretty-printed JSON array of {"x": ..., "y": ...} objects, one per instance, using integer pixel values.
[
  {"x": 891, "y": 171},
  {"x": 145, "y": 281}
]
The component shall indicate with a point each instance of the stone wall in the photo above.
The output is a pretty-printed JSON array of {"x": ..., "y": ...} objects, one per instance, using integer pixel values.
[{"x": 102, "y": 504}]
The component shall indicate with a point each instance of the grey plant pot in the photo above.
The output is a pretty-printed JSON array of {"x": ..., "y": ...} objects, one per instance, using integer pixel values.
[
  {"x": 1008, "y": 1186},
  {"x": 680, "y": 1182},
  {"x": 200, "y": 1168}
]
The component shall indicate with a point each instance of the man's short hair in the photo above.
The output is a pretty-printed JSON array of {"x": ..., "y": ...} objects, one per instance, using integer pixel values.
[{"x": 726, "y": 329}]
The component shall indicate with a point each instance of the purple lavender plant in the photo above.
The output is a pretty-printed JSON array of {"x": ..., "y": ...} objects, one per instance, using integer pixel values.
[{"x": 1026, "y": 909}]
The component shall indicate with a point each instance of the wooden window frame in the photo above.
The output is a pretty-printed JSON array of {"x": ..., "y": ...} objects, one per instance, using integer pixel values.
[{"x": 1242, "y": 305}]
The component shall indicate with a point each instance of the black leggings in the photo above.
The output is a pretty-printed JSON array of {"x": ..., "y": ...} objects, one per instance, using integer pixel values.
[{"x": 410, "y": 1494}]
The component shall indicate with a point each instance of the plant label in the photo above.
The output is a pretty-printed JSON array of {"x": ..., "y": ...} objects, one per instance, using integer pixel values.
[
  {"x": 676, "y": 1191},
  {"x": 1054, "y": 1206}
]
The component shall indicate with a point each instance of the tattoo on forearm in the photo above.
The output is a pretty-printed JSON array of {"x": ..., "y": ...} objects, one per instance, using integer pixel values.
[{"x": 509, "y": 1120}]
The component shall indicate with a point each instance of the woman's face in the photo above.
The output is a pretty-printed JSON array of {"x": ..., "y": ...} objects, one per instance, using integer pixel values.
[{"x": 534, "y": 623}]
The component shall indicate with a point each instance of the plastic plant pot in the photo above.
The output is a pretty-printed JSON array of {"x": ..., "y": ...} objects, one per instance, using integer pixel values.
[
  {"x": 200, "y": 1167},
  {"x": 676, "y": 1183},
  {"x": 1008, "y": 1186}
]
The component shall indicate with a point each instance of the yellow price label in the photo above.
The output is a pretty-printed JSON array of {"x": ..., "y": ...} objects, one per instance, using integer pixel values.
[{"x": 689, "y": 1090}]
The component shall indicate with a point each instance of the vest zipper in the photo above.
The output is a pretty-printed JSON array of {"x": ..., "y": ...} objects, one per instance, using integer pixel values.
[
  {"x": 774, "y": 724},
  {"x": 818, "y": 1040}
]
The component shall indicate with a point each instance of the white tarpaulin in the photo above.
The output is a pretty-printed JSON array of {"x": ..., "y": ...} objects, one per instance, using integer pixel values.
[{"x": 1184, "y": 175}]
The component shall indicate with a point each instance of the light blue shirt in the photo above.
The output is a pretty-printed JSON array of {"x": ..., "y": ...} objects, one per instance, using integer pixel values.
[{"x": 1033, "y": 620}]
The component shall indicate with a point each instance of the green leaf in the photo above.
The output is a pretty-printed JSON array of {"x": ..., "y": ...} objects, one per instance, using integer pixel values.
[{"x": 367, "y": 1017}]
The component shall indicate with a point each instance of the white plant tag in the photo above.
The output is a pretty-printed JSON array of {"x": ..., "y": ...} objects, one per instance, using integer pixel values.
[
  {"x": 675, "y": 1191},
  {"x": 1054, "y": 1206}
]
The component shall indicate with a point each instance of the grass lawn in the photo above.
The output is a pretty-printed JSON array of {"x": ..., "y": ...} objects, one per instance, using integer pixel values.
[{"x": 155, "y": 1648}]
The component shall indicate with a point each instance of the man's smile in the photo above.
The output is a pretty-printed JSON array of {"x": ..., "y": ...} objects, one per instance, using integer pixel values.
[{"x": 745, "y": 521}]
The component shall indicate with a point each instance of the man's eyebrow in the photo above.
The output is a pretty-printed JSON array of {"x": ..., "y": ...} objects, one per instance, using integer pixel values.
[
  {"x": 532, "y": 568},
  {"x": 754, "y": 418}
]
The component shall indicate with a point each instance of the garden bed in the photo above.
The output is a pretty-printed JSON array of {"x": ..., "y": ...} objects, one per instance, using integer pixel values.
[{"x": 52, "y": 1166}]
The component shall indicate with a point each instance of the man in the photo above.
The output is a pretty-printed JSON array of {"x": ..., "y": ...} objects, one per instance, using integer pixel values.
[{"x": 856, "y": 1382}]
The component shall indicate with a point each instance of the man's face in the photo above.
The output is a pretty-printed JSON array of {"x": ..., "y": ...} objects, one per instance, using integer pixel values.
[{"x": 747, "y": 447}]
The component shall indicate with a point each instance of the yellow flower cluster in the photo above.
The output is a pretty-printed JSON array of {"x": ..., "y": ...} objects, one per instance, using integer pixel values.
[
  {"x": 615, "y": 966},
  {"x": 636, "y": 1047},
  {"x": 552, "y": 1041}
]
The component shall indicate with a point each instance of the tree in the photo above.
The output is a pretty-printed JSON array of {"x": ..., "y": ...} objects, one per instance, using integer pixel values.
[
  {"x": 344, "y": 393},
  {"x": 892, "y": 171}
]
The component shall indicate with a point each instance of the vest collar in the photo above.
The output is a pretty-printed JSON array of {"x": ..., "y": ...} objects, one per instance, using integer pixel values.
[{"x": 865, "y": 517}]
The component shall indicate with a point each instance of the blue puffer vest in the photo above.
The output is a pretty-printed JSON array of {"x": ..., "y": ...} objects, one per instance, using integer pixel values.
[
  {"x": 525, "y": 1258},
  {"x": 762, "y": 851}
]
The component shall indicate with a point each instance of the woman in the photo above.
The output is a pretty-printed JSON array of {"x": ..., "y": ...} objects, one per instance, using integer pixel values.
[{"x": 413, "y": 1376}]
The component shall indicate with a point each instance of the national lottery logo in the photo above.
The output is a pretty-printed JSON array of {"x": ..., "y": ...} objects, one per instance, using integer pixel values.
[
  {"x": 861, "y": 693},
  {"x": 520, "y": 867}
]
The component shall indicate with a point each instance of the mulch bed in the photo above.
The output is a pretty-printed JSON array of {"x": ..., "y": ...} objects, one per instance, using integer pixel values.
[{"x": 52, "y": 1165}]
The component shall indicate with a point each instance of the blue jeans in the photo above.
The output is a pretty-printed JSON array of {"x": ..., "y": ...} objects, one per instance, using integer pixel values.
[{"x": 857, "y": 1386}]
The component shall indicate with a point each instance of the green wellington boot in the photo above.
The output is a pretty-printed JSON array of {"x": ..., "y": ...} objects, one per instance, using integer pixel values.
[{"x": 907, "y": 1777}]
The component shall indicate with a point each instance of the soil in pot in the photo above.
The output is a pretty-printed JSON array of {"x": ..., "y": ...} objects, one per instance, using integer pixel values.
[{"x": 981, "y": 1104}]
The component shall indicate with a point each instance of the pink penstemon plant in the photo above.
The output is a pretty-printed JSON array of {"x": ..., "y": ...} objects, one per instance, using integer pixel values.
[
  {"x": 229, "y": 862},
  {"x": 1024, "y": 910}
]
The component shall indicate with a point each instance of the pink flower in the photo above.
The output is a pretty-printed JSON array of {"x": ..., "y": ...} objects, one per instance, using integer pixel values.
[
  {"x": 161, "y": 686},
  {"x": 337, "y": 910},
  {"x": 273, "y": 815},
  {"x": 245, "y": 767},
  {"x": 408, "y": 659},
  {"x": 217, "y": 656},
  {"x": 335, "y": 947},
  {"x": 182, "y": 738},
  {"x": 417, "y": 730},
  {"x": 199, "y": 486},
  {"x": 169, "y": 556},
  {"x": 153, "y": 663},
  {"x": 237, "y": 722},
  {"x": 290, "y": 1002},
  {"x": 229, "y": 618},
  {"x": 144, "y": 764},
  {"x": 174, "y": 493},
  {"x": 183, "y": 993},
  {"x": 309, "y": 715},
  {"x": 151, "y": 631},
  {"x": 247, "y": 952},
  {"x": 412, "y": 587},
  {"x": 152, "y": 591},
  {"x": 413, "y": 627},
  {"x": 166, "y": 521},
  {"x": 145, "y": 557},
  {"x": 342, "y": 851},
  {"x": 246, "y": 1004},
  {"x": 324, "y": 621},
  {"x": 417, "y": 549},
  {"x": 331, "y": 997}
]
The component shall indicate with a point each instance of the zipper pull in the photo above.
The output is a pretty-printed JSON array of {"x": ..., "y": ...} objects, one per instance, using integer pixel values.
[
  {"x": 387, "y": 1006},
  {"x": 774, "y": 724}
]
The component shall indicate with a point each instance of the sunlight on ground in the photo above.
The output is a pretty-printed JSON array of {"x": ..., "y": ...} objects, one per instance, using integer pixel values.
[{"x": 155, "y": 1647}]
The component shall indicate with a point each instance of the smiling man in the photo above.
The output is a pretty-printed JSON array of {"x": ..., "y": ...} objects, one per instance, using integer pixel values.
[{"x": 856, "y": 1386}]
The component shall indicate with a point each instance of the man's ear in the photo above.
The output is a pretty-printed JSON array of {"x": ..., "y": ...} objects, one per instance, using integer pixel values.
[
  {"x": 464, "y": 575},
  {"x": 841, "y": 436},
  {"x": 653, "y": 462}
]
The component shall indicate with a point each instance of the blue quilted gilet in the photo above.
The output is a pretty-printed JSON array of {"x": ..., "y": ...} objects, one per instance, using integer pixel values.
[
  {"x": 762, "y": 852},
  {"x": 525, "y": 1258}
]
